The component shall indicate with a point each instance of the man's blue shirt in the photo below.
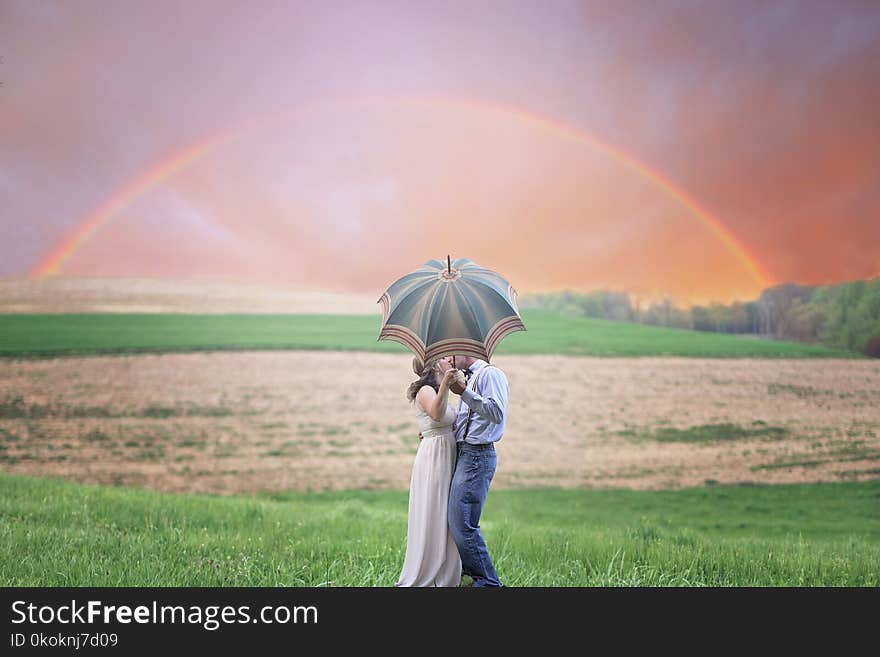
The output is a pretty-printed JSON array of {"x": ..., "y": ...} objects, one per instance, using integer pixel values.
[{"x": 486, "y": 395}]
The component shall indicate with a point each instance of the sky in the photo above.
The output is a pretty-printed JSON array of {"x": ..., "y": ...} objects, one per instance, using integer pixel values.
[{"x": 697, "y": 150}]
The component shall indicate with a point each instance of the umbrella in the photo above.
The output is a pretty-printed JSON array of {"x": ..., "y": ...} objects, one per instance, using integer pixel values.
[{"x": 448, "y": 308}]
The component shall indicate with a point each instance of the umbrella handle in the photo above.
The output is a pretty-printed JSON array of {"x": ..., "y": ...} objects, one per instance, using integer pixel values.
[{"x": 449, "y": 269}]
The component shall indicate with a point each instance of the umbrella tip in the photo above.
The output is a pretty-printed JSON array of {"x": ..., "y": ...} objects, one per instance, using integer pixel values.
[{"x": 449, "y": 263}]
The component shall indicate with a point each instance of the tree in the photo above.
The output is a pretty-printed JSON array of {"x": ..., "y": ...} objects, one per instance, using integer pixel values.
[
  {"x": 778, "y": 306},
  {"x": 845, "y": 316}
]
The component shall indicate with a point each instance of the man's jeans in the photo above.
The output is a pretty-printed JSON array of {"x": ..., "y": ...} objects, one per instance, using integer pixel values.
[{"x": 474, "y": 470}]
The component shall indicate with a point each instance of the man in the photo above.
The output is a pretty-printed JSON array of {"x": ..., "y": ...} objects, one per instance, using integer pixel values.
[{"x": 478, "y": 426}]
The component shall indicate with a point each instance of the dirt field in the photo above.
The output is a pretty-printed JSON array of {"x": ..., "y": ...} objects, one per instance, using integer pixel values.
[{"x": 238, "y": 422}]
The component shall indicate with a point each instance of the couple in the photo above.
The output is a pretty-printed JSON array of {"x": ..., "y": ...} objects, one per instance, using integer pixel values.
[{"x": 453, "y": 468}]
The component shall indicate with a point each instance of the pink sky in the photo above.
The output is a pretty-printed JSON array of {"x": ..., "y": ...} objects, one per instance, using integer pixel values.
[{"x": 402, "y": 137}]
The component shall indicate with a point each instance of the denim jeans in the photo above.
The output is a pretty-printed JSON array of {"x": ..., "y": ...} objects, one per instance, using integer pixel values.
[{"x": 474, "y": 470}]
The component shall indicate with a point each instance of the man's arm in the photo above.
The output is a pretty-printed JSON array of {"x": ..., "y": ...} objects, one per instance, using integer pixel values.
[{"x": 492, "y": 404}]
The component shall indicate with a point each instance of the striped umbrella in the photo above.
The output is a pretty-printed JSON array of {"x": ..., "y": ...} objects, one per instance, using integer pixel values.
[{"x": 448, "y": 308}]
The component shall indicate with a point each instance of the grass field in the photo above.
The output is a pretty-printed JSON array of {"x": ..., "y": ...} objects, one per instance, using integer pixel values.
[
  {"x": 56, "y": 533},
  {"x": 49, "y": 335},
  {"x": 243, "y": 422}
]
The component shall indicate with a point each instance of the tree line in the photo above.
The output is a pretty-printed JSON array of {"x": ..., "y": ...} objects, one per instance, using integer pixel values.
[{"x": 846, "y": 315}]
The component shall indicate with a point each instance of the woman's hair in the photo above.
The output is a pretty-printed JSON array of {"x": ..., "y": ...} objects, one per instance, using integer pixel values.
[{"x": 425, "y": 372}]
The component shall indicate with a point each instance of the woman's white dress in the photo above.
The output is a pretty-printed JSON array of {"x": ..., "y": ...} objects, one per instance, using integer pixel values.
[{"x": 431, "y": 555}]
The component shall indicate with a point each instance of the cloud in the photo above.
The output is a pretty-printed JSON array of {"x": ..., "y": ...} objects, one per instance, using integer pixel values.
[{"x": 763, "y": 112}]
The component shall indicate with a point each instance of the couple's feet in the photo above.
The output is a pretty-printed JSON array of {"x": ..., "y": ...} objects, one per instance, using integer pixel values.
[{"x": 468, "y": 582}]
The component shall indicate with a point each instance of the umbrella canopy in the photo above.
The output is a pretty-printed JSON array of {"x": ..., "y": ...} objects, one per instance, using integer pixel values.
[{"x": 448, "y": 308}]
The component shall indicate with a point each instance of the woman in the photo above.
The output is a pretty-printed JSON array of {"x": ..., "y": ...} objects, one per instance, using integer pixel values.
[{"x": 431, "y": 555}]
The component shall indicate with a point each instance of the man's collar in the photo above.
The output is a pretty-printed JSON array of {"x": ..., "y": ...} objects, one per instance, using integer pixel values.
[{"x": 477, "y": 365}]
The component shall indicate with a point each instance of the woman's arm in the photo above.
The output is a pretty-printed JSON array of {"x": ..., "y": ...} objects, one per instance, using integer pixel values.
[{"x": 434, "y": 403}]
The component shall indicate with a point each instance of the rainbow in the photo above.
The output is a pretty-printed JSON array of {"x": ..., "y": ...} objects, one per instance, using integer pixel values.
[{"x": 52, "y": 261}]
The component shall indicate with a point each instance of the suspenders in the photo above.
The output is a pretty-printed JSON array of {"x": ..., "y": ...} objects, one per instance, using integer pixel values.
[{"x": 467, "y": 425}]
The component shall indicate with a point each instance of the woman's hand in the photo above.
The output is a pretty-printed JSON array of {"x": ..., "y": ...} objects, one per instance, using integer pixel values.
[
  {"x": 458, "y": 385},
  {"x": 449, "y": 377}
]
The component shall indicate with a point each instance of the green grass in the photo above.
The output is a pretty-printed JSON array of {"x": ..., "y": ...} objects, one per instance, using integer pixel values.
[
  {"x": 553, "y": 333},
  {"x": 800, "y": 391},
  {"x": 14, "y": 407},
  {"x": 24, "y": 335},
  {"x": 788, "y": 464},
  {"x": 707, "y": 433},
  {"x": 55, "y": 533}
]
